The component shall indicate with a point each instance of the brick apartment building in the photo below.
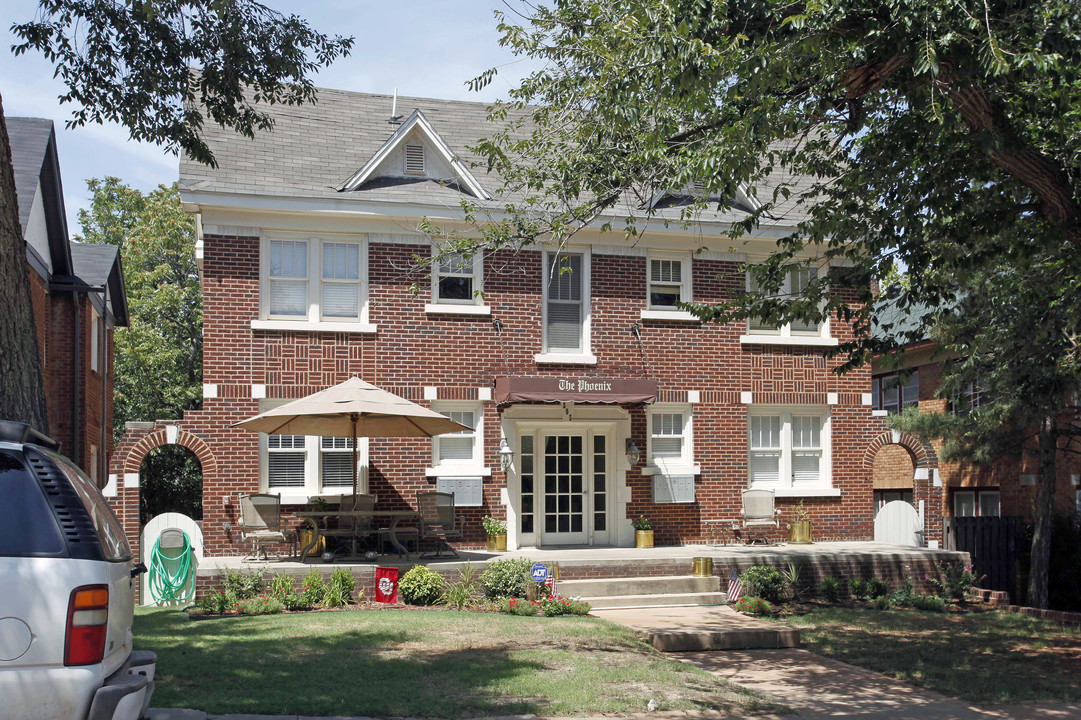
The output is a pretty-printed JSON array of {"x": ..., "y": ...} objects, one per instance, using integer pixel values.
[
  {"x": 307, "y": 236},
  {"x": 77, "y": 291}
]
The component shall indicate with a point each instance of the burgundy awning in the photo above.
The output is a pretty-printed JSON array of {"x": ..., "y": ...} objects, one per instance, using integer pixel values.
[{"x": 583, "y": 389}]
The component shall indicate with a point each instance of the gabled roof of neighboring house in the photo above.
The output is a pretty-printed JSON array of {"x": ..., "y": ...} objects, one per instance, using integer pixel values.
[
  {"x": 98, "y": 265},
  {"x": 34, "y": 157},
  {"x": 331, "y": 150}
]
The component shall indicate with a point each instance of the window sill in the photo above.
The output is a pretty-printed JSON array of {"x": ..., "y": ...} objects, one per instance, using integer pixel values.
[
  {"x": 670, "y": 315},
  {"x": 457, "y": 471},
  {"x": 673, "y": 470},
  {"x": 450, "y": 309},
  {"x": 565, "y": 359},
  {"x": 806, "y": 341},
  {"x": 307, "y": 326},
  {"x": 791, "y": 492}
]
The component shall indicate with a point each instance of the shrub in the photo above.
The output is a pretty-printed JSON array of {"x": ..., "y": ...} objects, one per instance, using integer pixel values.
[
  {"x": 953, "y": 580},
  {"x": 881, "y": 602},
  {"x": 261, "y": 605},
  {"x": 764, "y": 582},
  {"x": 282, "y": 584},
  {"x": 859, "y": 588},
  {"x": 508, "y": 577},
  {"x": 903, "y": 596},
  {"x": 877, "y": 588},
  {"x": 314, "y": 588},
  {"x": 753, "y": 605},
  {"x": 216, "y": 602},
  {"x": 932, "y": 603},
  {"x": 242, "y": 584},
  {"x": 830, "y": 589},
  {"x": 339, "y": 590},
  {"x": 462, "y": 594},
  {"x": 791, "y": 577},
  {"x": 559, "y": 605},
  {"x": 518, "y": 606},
  {"x": 421, "y": 586}
]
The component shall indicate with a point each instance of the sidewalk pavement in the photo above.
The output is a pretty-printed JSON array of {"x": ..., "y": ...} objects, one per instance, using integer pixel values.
[{"x": 702, "y": 627}]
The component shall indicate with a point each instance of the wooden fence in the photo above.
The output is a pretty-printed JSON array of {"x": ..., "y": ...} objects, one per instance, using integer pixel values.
[{"x": 996, "y": 545}]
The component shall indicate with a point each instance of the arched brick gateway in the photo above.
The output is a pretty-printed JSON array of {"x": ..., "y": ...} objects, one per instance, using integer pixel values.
[
  {"x": 925, "y": 463},
  {"x": 923, "y": 455}
]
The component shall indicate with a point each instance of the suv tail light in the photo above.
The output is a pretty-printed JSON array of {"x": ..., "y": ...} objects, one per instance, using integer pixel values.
[{"x": 88, "y": 619}]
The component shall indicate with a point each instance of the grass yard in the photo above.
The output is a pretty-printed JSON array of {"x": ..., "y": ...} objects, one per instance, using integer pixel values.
[
  {"x": 422, "y": 664},
  {"x": 983, "y": 657}
]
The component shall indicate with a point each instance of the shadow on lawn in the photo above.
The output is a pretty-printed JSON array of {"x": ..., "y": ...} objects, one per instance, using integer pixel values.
[{"x": 235, "y": 665}]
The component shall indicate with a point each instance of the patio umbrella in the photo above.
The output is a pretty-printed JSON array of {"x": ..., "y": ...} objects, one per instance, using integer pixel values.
[{"x": 352, "y": 409}]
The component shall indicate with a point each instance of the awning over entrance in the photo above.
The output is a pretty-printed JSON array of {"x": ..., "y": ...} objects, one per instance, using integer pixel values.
[{"x": 583, "y": 389}]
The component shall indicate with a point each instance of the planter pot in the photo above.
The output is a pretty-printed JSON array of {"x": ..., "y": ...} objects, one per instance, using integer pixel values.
[
  {"x": 497, "y": 543},
  {"x": 800, "y": 532},
  {"x": 643, "y": 538}
]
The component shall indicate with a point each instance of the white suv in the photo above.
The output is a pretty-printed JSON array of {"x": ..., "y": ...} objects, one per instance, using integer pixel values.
[{"x": 68, "y": 592}]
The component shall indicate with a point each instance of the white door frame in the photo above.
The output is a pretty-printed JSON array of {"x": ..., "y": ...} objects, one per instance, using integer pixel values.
[{"x": 613, "y": 421}]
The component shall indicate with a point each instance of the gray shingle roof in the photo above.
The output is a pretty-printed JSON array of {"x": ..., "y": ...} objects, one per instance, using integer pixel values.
[
  {"x": 93, "y": 262},
  {"x": 314, "y": 149},
  {"x": 29, "y": 140}
]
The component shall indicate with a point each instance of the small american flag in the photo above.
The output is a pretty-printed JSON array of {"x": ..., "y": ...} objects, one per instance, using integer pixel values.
[{"x": 735, "y": 587}]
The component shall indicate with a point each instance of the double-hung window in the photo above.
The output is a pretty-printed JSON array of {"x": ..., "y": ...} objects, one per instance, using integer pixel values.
[
  {"x": 287, "y": 279},
  {"x": 341, "y": 281},
  {"x": 459, "y": 448},
  {"x": 788, "y": 449},
  {"x": 671, "y": 454},
  {"x": 896, "y": 391},
  {"x": 456, "y": 280},
  {"x": 795, "y": 282},
  {"x": 459, "y": 456},
  {"x": 566, "y": 304},
  {"x": 666, "y": 283},
  {"x": 336, "y": 463},
  {"x": 287, "y": 457},
  {"x": 976, "y": 503}
]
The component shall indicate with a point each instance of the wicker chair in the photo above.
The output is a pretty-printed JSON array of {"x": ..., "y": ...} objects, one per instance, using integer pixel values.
[
  {"x": 438, "y": 523},
  {"x": 261, "y": 522},
  {"x": 759, "y": 514}
]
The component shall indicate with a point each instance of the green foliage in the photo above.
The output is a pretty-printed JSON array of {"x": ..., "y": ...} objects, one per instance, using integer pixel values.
[
  {"x": 877, "y": 588},
  {"x": 858, "y": 587},
  {"x": 952, "y": 580},
  {"x": 791, "y": 575},
  {"x": 163, "y": 70},
  {"x": 242, "y": 584},
  {"x": 831, "y": 588},
  {"x": 519, "y": 606},
  {"x": 339, "y": 590},
  {"x": 881, "y": 602},
  {"x": 215, "y": 602},
  {"x": 493, "y": 526},
  {"x": 931, "y": 603},
  {"x": 764, "y": 582},
  {"x": 558, "y": 605},
  {"x": 421, "y": 586},
  {"x": 464, "y": 593},
  {"x": 642, "y": 523},
  {"x": 753, "y": 605},
  {"x": 507, "y": 577},
  {"x": 313, "y": 588},
  {"x": 260, "y": 605}
]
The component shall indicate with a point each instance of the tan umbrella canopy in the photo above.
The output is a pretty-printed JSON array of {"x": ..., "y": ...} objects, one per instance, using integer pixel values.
[{"x": 352, "y": 409}]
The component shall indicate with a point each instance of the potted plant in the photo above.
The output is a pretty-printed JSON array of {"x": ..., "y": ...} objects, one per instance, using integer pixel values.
[
  {"x": 643, "y": 532},
  {"x": 496, "y": 530},
  {"x": 799, "y": 532}
]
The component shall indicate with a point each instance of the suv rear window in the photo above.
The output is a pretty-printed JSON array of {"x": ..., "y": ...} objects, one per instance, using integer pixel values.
[
  {"x": 27, "y": 525},
  {"x": 113, "y": 541}
]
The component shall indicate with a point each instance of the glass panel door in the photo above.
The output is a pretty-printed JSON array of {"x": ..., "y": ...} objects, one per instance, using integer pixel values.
[{"x": 566, "y": 515}]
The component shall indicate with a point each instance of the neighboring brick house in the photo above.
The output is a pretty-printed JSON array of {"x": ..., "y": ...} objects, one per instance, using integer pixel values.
[
  {"x": 306, "y": 241},
  {"x": 1006, "y": 487},
  {"x": 77, "y": 292}
]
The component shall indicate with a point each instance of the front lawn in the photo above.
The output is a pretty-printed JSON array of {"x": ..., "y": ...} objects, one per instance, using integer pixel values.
[
  {"x": 423, "y": 664},
  {"x": 983, "y": 657}
]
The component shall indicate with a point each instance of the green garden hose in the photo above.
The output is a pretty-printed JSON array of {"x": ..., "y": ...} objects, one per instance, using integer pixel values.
[{"x": 169, "y": 585}]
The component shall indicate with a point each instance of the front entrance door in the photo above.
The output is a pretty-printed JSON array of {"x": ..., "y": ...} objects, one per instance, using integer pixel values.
[{"x": 575, "y": 487}]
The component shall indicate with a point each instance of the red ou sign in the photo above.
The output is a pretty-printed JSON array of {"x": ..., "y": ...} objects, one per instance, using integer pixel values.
[{"x": 386, "y": 584}]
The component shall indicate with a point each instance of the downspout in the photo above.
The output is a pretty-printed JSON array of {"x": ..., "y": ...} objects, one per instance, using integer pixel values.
[
  {"x": 75, "y": 373},
  {"x": 103, "y": 357}
]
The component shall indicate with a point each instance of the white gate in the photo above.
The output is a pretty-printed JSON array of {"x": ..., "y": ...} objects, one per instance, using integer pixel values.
[
  {"x": 898, "y": 523},
  {"x": 152, "y": 530}
]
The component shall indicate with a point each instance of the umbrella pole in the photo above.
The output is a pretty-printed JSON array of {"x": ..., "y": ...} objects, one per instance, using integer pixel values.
[{"x": 353, "y": 417}]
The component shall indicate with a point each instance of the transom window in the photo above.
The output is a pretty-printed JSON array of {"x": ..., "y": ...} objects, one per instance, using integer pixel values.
[
  {"x": 287, "y": 285},
  {"x": 788, "y": 448},
  {"x": 896, "y": 391},
  {"x": 565, "y": 308},
  {"x": 794, "y": 284}
]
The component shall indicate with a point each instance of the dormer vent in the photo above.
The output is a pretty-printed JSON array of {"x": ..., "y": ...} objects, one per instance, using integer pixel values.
[{"x": 414, "y": 159}]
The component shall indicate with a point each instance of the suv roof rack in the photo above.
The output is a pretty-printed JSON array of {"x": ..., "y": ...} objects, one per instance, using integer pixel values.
[{"x": 18, "y": 432}]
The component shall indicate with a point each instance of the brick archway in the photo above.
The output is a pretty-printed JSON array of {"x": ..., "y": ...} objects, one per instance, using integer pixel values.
[
  {"x": 923, "y": 455},
  {"x": 159, "y": 435}
]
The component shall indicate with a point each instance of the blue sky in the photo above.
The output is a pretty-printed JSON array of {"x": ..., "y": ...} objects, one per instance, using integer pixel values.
[{"x": 421, "y": 47}]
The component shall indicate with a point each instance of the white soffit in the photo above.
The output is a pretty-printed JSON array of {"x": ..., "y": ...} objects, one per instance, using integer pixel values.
[{"x": 416, "y": 120}]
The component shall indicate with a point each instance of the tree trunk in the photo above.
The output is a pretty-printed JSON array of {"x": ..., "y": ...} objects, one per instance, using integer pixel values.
[
  {"x": 22, "y": 392},
  {"x": 1045, "y": 510}
]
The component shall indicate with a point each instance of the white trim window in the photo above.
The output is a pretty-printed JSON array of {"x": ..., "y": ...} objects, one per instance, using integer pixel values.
[
  {"x": 896, "y": 391},
  {"x": 287, "y": 458},
  {"x": 342, "y": 283},
  {"x": 789, "y": 448},
  {"x": 794, "y": 284},
  {"x": 457, "y": 280},
  {"x": 670, "y": 449},
  {"x": 336, "y": 464},
  {"x": 566, "y": 303},
  {"x": 668, "y": 283},
  {"x": 977, "y": 503},
  {"x": 287, "y": 279},
  {"x": 460, "y": 452}
]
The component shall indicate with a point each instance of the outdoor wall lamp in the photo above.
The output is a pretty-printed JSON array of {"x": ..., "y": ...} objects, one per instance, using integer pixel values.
[
  {"x": 633, "y": 453},
  {"x": 506, "y": 455}
]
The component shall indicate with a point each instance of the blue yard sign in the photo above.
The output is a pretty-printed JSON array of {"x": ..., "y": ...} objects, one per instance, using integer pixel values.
[{"x": 539, "y": 572}]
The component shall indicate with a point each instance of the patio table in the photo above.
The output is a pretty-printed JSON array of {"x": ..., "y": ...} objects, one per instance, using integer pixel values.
[{"x": 395, "y": 517}]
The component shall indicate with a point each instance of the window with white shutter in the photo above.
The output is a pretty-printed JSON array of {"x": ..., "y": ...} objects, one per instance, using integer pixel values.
[
  {"x": 806, "y": 449},
  {"x": 336, "y": 462},
  {"x": 765, "y": 459},
  {"x": 341, "y": 280},
  {"x": 565, "y": 308},
  {"x": 286, "y": 459},
  {"x": 287, "y": 284},
  {"x": 788, "y": 448}
]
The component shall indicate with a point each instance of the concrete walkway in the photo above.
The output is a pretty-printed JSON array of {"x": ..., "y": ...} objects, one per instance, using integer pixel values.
[{"x": 702, "y": 627}]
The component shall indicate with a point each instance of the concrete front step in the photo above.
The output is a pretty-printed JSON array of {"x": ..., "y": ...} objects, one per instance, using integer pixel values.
[
  {"x": 687, "y": 629},
  {"x": 655, "y": 600},
  {"x": 656, "y": 585}
]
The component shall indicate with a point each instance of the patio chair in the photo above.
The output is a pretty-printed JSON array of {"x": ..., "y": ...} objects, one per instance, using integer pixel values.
[
  {"x": 438, "y": 523},
  {"x": 759, "y": 514},
  {"x": 349, "y": 526},
  {"x": 261, "y": 522}
]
